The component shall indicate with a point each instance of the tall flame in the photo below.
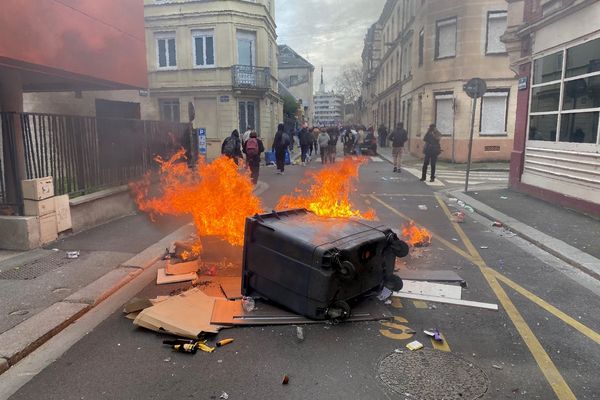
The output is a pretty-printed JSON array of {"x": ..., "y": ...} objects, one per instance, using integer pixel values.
[
  {"x": 328, "y": 191},
  {"x": 416, "y": 236},
  {"x": 216, "y": 195}
]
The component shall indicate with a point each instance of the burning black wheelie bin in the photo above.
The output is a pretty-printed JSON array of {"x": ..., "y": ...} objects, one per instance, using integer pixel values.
[{"x": 314, "y": 265}]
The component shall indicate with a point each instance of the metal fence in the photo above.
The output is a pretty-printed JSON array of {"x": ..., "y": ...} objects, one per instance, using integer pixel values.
[{"x": 86, "y": 154}]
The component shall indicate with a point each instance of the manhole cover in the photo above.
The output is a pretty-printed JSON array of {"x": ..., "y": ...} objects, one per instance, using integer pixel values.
[
  {"x": 432, "y": 375},
  {"x": 37, "y": 267}
]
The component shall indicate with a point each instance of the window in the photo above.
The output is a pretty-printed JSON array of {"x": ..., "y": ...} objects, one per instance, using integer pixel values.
[
  {"x": 445, "y": 38},
  {"x": 204, "y": 49},
  {"x": 496, "y": 26},
  {"x": 565, "y": 100},
  {"x": 169, "y": 110},
  {"x": 421, "y": 46},
  {"x": 444, "y": 113},
  {"x": 165, "y": 51},
  {"x": 493, "y": 112}
]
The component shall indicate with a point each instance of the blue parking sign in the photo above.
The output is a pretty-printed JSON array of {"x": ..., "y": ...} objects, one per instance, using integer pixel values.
[{"x": 202, "y": 141}]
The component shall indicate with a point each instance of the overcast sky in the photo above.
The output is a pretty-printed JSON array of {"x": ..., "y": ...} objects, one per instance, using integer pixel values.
[{"x": 326, "y": 32}]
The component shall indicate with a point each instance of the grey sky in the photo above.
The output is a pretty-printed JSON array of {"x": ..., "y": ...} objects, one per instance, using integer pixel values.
[{"x": 326, "y": 32}]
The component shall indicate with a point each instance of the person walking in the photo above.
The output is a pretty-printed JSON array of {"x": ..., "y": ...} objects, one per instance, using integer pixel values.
[
  {"x": 314, "y": 147},
  {"x": 305, "y": 139},
  {"x": 246, "y": 135},
  {"x": 360, "y": 138},
  {"x": 333, "y": 140},
  {"x": 253, "y": 148},
  {"x": 398, "y": 137},
  {"x": 281, "y": 143},
  {"x": 231, "y": 147},
  {"x": 323, "y": 140},
  {"x": 431, "y": 150},
  {"x": 383, "y": 135}
]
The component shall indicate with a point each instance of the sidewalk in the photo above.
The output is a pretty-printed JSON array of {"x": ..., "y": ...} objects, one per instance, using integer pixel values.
[
  {"x": 42, "y": 291},
  {"x": 564, "y": 233}
]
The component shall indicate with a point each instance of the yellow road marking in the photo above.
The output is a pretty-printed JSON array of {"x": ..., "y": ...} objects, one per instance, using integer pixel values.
[
  {"x": 398, "y": 326},
  {"x": 443, "y": 346},
  {"x": 396, "y": 302},
  {"x": 553, "y": 376},
  {"x": 419, "y": 304},
  {"x": 550, "y": 308}
]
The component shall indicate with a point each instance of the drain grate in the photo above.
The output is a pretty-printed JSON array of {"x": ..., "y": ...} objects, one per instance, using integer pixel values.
[
  {"x": 37, "y": 267},
  {"x": 431, "y": 374}
]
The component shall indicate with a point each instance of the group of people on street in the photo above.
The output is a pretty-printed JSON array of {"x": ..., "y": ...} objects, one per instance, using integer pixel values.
[{"x": 356, "y": 140}]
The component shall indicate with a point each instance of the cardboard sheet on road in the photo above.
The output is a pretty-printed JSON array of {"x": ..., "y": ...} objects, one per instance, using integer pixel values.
[
  {"x": 229, "y": 287},
  {"x": 187, "y": 315},
  {"x": 162, "y": 278},
  {"x": 231, "y": 313},
  {"x": 431, "y": 289},
  {"x": 430, "y": 276}
]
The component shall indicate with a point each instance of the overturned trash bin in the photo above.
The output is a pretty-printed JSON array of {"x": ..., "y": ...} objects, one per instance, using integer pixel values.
[{"x": 315, "y": 265}]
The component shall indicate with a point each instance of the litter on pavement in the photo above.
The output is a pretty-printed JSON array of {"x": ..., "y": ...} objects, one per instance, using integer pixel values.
[{"x": 414, "y": 345}]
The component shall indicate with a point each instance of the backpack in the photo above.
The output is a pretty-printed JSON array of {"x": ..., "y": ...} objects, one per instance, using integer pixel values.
[
  {"x": 229, "y": 147},
  {"x": 403, "y": 136},
  {"x": 285, "y": 140},
  {"x": 252, "y": 147}
]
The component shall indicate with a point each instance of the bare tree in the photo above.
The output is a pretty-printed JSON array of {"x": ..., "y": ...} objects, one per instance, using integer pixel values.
[{"x": 349, "y": 82}]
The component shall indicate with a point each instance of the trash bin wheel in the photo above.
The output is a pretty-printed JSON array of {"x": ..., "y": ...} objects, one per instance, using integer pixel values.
[
  {"x": 338, "y": 311},
  {"x": 347, "y": 271}
]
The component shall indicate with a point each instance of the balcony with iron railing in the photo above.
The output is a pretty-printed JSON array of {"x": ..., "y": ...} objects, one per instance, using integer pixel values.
[{"x": 247, "y": 77}]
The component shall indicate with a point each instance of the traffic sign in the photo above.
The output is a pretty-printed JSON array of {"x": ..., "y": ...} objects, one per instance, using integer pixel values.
[
  {"x": 202, "y": 141},
  {"x": 475, "y": 88}
]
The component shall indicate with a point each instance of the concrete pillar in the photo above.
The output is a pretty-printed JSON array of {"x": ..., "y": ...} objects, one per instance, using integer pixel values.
[{"x": 11, "y": 100}]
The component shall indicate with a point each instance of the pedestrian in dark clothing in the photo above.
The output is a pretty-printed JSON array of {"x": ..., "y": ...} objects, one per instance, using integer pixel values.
[
  {"x": 333, "y": 140},
  {"x": 398, "y": 137},
  {"x": 253, "y": 148},
  {"x": 305, "y": 143},
  {"x": 383, "y": 135},
  {"x": 281, "y": 142},
  {"x": 431, "y": 150},
  {"x": 231, "y": 146}
]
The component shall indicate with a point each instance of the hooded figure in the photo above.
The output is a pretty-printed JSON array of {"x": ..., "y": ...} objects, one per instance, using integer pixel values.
[
  {"x": 231, "y": 146},
  {"x": 281, "y": 142},
  {"x": 253, "y": 148}
]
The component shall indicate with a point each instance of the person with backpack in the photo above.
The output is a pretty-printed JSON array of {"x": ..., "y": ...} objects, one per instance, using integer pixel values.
[
  {"x": 281, "y": 142},
  {"x": 398, "y": 137},
  {"x": 231, "y": 146},
  {"x": 253, "y": 148},
  {"x": 323, "y": 140},
  {"x": 305, "y": 142},
  {"x": 431, "y": 150}
]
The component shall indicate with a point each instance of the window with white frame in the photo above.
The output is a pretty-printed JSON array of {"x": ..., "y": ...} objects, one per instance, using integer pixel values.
[
  {"x": 496, "y": 26},
  {"x": 565, "y": 95},
  {"x": 493, "y": 112},
  {"x": 169, "y": 110},
  {"x": 444, "y": 113},
  {"x": 204, "y": 48},
  {"x": 166, "y": 51},
  {"x": 445, "y": 38}
]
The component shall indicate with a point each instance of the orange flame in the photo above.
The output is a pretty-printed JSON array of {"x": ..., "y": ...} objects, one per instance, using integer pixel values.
[
  {"x": 328, "y": 193},
  {"x": 216, "y": 195},
  {"x": 415, "y": 236}
]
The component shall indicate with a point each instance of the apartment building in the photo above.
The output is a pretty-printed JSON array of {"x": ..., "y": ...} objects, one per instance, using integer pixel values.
[
  {"x": 329, "y": 107},
  {"x": 416, "y": 59},
  {"x": 296, "y": 74},
  {"x": 218, "y": 55},
  {"x": 554, "y": 46}
]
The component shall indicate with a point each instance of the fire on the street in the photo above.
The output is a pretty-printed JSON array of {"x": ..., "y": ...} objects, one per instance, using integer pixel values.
[
  {"x": 328, "y": 192},
  {"x": 416, "y": 236},
  {"x": 216, "y": 195}
]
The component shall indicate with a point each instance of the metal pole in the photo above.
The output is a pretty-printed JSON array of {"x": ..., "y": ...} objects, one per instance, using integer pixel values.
[{"x": 470, "y": 144}]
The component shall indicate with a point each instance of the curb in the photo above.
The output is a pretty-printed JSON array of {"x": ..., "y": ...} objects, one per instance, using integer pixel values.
[
  {"x": 567, "y": 253},
  {"x": 21, "y": 340}
]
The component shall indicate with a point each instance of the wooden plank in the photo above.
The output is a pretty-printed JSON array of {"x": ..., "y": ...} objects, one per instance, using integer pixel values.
[
  {"x": 431, "y": 289},
  {"x": 467, "y": 303}
]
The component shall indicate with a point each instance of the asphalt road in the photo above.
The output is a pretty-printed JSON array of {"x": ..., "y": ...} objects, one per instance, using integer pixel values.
[{"x": 543, "y": 343}]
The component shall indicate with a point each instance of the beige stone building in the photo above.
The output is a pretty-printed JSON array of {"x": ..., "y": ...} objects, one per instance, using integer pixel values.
[
  {"x": 296, "y": 74},
  {"x": 219, "y": 55},
  {"x": 416, "y": 59}
]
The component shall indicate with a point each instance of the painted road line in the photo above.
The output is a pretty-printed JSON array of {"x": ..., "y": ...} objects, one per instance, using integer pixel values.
[
  {"x": 595, "y": 336},
  {"x": 547, "y": 367},
  {"x": 397, "y": 330},
  {"x": 420, "y": 304},
  {"x": 441, "y": 346}
]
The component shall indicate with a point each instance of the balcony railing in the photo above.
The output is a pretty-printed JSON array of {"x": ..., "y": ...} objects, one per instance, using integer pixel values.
[{"x": 250, "y": 77}]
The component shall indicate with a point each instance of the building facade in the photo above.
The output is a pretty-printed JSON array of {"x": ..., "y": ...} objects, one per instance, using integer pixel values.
[
  {"x": 416, "y": 59},
  {"x": 296, "y": 74},
  {"x": 554, "y": 47},
  {"x": 329, "y": 107},
  {"x": 218, "y": 55}
]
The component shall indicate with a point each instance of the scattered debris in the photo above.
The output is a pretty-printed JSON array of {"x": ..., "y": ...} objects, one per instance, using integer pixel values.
[
  {"x": 467, "y": 303},
  {"x": 224, "y": 396},
  {"x": 431, "y": 289},
  {"x": 458, "y": 217},
  {"x": 497, "y": 366},
  {"x": 135, "y": 305},
  {"x": 484, "y": 247},
  {"x": 434, "y": 334},
  {"x": 285, "y": 380},
  {"x": 422, "y": 207},
  {"x": 498, "y": 224},
  {"x": 224, "y": 342},
  {"x": 181, "y": 268},
  {"x": 73, "y": 254},
  {"x": 446, "y": 276},
  {"x": 415, "y": 345},
  {"x": 248, "y": 304},
  {"x": 300, "y": 333},
  {"x": 398, "y": 351},
  {"x": 416, "y": 236},
  {"x": 162, "y": 278},
  {"x": 385, "y": 294},
  {"x": 453, "y": 200},
  {"x": 504, "y": 197},
  {"x": 469, "y": 208}
]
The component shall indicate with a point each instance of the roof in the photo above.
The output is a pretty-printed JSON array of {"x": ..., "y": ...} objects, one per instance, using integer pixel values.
[{"x": 288, "y": 58}]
